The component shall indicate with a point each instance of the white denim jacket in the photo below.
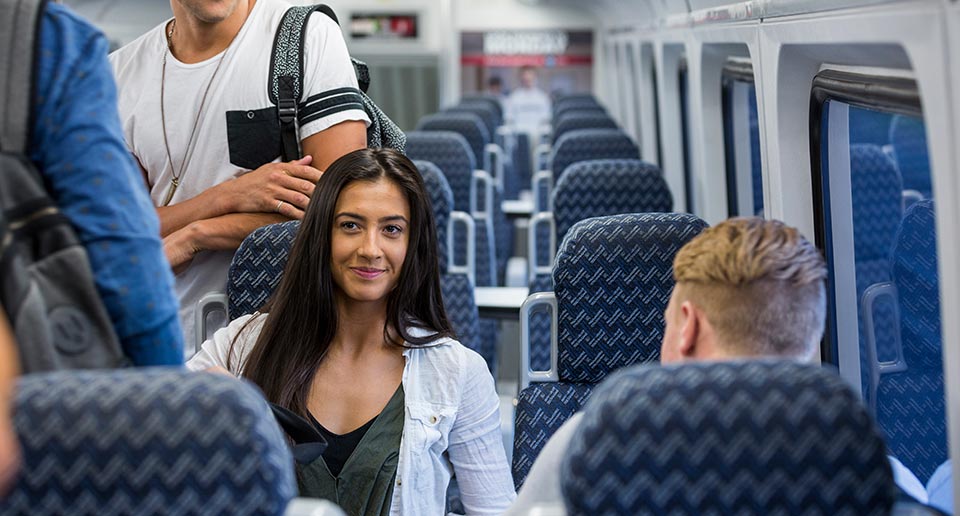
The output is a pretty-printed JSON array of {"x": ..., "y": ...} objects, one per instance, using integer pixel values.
[{"x": 451, "y": 422}]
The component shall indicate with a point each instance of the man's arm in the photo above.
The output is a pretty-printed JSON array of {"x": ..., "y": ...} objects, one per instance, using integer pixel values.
[
  {"x": 78, "y": 147},
  {"x": 258, "y": 191},
  {"x": 226, "y": 232}
]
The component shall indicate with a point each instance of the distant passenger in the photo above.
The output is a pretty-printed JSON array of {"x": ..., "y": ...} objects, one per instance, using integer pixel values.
[
  {"x": 495, "y": 87},
  {"x": 528, "y": 107},
  {"x": 745, "y": 288},
  {"x": 197, "y": 115},
  {"x": 77, "y": 146},
  {"x": 355, "y": 339},
  {"x": 9, "y": 449}
]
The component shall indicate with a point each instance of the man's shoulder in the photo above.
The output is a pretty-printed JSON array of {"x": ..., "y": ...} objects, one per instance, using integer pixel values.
[{"x": 146, "y": 43}]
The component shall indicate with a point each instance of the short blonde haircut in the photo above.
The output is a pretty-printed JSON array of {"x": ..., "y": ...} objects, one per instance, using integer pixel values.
[{"x": 760, "y": 284}]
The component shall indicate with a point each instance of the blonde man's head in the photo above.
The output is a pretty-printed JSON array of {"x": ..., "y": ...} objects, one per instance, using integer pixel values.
[{"x": 759, "y": 285}]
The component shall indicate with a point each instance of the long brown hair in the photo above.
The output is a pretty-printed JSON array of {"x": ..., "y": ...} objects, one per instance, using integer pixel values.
[{"x": 301, "y": 315}]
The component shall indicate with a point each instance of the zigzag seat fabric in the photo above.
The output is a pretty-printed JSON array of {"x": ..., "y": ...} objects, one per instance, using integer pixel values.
[
  {"x": 876, "y": 203},
  {"x": 457, "y": 290},
  {"x": 753, "y": 437},
  {"x": 541, "y": 409},
  {"x": 488, "y": 115},
  {"x": 567, "y": 111},
  {"x": 909, "y": 140},
  {"x": 587, "y": 144},
  {"x": 608, "y": 187},
  {"x": 910, "y": 404},
  {"x": 612, "y": 280},
  {"x": 147, "y": 441},
  {"x": 257, "y": 267},
  {"x": 540, "y": 326},
  {"x": 491, "y": 100},
  {"x": 593, "y": 189},
  {"x": 575, "y": 103},
  {"x": 451, "y": 153},
  {"x": 468, "y": 125},
  {"x": 441, "y": 199},
  {"x": 582, "y": 121}
]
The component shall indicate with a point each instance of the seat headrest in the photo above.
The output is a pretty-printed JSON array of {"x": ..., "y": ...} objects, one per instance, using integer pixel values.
[
  {"x": 470, "y": 125},
  {"x": 441, "y": 199},
  {"x": 613, "y": 277},
  {"x": 876, "y": 201},
  {"x": 257, "y": 267},
  {"x": 451, "y": 153},
  {"x": 751, "y": 437},
  {"x": 587, "y": 144},
  {"x": 608, "y": 187}
]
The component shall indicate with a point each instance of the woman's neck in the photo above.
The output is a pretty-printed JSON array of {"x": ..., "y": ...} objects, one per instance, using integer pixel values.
[{"x": 360, "y": 327}]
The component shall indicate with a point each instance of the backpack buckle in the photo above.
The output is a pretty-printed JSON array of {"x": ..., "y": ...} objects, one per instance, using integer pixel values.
[{"x": 287, "y": 109}]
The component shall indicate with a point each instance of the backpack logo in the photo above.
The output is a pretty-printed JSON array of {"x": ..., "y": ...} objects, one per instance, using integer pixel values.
[{"x": 71, "y": 328}]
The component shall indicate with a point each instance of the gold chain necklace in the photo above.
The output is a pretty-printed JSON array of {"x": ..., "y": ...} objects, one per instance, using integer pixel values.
[{"x": 175, "y": 180}]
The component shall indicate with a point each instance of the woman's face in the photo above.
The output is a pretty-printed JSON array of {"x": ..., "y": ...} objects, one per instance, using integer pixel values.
[{"x": 369, "y": 241}]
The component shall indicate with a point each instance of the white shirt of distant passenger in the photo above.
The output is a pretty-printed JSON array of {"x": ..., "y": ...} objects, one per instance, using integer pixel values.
[
  {"x": 528, "y": 108},
  {"x": 240, "y": 84},
  {"x": 451, "y": 422}
]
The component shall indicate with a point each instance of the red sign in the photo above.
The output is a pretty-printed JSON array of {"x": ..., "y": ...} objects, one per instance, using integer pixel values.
[{"x": 538, "y": 61}]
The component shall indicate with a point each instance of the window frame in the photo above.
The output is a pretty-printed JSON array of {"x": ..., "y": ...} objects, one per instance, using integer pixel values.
[
  {"x": 735, "y": 70},
  {"x": 898, "y": 95}
]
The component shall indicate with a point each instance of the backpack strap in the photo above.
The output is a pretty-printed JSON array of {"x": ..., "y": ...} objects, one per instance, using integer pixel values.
[
  {"x": 285, "y": 83},
  {"x": 19, "y": 30}
]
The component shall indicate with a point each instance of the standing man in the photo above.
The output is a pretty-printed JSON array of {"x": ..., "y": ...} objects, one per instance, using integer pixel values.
[
  {"x": 197, "y": 116},
  {"x": 528, "y": 106}
]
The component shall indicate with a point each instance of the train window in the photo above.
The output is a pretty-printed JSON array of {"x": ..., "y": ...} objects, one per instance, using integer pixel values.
[
  {"x": 876, "y": 224},
  {"x": 682, "y": 81},
  {"x": 741, "y": 137}
]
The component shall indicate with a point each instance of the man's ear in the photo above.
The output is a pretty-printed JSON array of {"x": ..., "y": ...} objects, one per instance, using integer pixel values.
[{"x": 689, "y": 329}]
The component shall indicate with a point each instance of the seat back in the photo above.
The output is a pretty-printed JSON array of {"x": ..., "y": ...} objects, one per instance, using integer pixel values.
[
  {"x": 910, "y": 404},
  {"x": 487, "y": 113},
  {"x": 441, "y": 200},
  {"x": 147, "y": 441},
  {"x": 468, "y": 125},
  {"x": 612, "y": 281},
  {"x": 876, "y": 203},
  {"x": 451, "y": 153},
  {"x": 257, "y": 267},
  {"x": 581, "y": 121},
  {"x": 574, "y": 103},
  {"x": 909, "y": 140},
  {"x": 608, "y": 187},
  {"x": 581, "y": 110},
  {"x": 489, "y": 99},
  {"x": 751, "y": 437},
  {"x": 587, "y": 144}
]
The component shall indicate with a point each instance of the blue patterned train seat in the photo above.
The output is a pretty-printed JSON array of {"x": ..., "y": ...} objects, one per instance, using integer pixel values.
[
  {"x": 749, "y": 437},
  {"x": 612, "y": 281},
  {"x": 147, "y": 441}
]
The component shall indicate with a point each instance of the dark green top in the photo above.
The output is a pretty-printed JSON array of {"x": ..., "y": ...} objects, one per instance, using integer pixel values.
[{"x": 365, "y": 484}]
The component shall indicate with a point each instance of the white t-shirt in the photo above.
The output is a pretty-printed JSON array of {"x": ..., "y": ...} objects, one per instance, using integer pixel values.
[
  {"x": 239, "y": 86},
  {"x": 529, "y": 108}
]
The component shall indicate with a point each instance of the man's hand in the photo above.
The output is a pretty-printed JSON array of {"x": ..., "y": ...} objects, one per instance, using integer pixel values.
[
  {"x": 283, "y": 188},
  {"x": 181, "y": 246}
]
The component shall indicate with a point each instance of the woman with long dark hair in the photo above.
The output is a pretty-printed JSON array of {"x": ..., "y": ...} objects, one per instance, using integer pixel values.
[{"x": 355, "y": 339}]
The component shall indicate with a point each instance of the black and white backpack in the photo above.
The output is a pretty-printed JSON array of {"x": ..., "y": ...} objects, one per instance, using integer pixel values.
[
  {"x": 286, "y": 88},
  {"x": 46, "y": 282}
]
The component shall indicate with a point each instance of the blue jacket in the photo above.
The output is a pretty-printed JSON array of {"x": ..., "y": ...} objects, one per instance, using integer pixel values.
[{"x": 78, "y": 147}]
